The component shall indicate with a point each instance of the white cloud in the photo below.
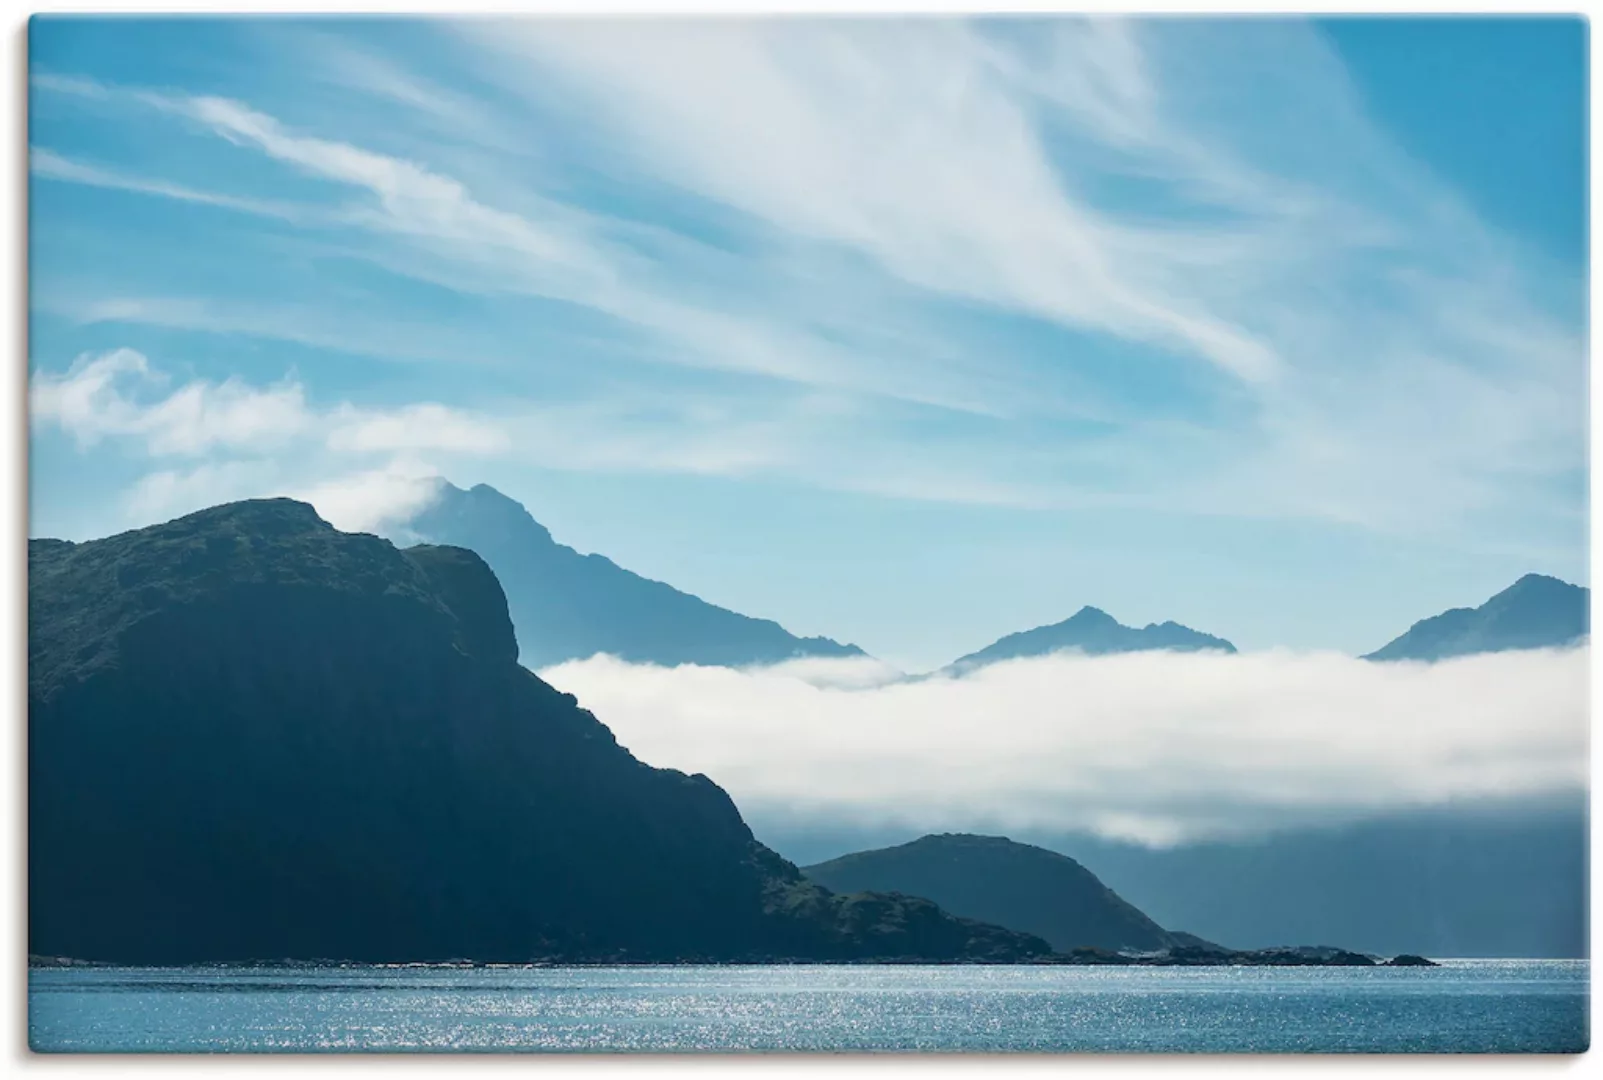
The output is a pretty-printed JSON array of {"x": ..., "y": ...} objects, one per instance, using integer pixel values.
[
  {"x": 99, "y": 397},
  {"x": 415, "y": 427},
  {"x": 451, "y": 115},
  {"x": 1158, "y": 747},
  {"x": 1396, "y": 373},
  {"x": 354, "y": 500},
  {"x": 258, "y": 441},
  {"x": 834, "y": 673},
  {"x": 904, "y": 140},
  {"x": 373, "y": 499},
  {"x": 1373, "y": 354},
  {"x": 548, "y": 249},
  {"x": 168, "y": 493},
  {"x": 48, "y": 164},
  {"x": 415, "y": 200},
  {"x": 554, "y": 250}
]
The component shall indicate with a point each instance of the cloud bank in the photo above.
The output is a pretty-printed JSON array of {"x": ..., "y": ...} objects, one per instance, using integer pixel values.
[{"x": 1155, "y": 747}]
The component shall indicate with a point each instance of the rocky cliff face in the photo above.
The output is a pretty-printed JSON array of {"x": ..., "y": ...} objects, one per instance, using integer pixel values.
[{"x": 252, "y": 736}]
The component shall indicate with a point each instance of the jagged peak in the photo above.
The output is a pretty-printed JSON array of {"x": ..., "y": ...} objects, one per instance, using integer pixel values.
[{"x": 483, "y": 502}]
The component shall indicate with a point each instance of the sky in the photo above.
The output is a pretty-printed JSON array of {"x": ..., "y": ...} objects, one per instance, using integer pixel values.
[{"x": 910, "y": 333}]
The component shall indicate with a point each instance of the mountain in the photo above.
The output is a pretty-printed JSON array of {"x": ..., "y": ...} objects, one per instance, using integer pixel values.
[
  {"x": 1469, "y": 881},
  {"x": 1494, "y": 879},
  {"x": 994, "y": 879},
  {"x": 568, "y": 606},
  {"x": 1094, "y": 632},
  {"x": 252, "y": 737},
  {"x": 1533, "y": 613}
]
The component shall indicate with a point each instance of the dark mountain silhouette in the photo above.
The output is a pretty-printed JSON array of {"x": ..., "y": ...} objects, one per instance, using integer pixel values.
[
  {"x": 568, "y": 606},
  {"x": 996, "y": 880},
  {"x": 1533, "y": 613},
  {"x": 1095, "y": 633},
  {"x": 252, "y": 736}
]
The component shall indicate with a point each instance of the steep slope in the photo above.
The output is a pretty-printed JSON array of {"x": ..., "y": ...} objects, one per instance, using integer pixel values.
[
  {"x": 994, "y": 879},
  {"x": 252, "y": 736},
  {"x": 1094, "y": 632},
  {"x": 1535, "y": 612},
  {"x": 568, "y": 606}
]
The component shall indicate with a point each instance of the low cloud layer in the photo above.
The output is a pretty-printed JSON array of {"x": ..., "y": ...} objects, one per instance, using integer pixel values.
[{"x": 1155, "y": 747}]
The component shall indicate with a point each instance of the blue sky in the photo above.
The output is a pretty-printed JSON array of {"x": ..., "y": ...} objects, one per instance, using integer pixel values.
[{"x": 913, "y": 334}]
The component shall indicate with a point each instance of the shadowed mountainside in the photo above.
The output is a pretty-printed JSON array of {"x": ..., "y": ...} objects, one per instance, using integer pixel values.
[
  {"x": 568, "y": 606},
  {"x": 252, "y": 736},
  {"x": 1095, "y": 633},
  {"x": 998, "y": 880},
  {"x": 1494, "y": 879},
  {"x": 1533, "y": 613}
]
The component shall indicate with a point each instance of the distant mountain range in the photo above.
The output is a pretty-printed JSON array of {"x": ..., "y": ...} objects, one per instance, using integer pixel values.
[
  {"x": 1535, "y": 612},
  {"x": 1095, "y": 633},
  {"x": 996, "y": 880},
  {"x": 254, "y": 737},
  {"x": 568, "y": 606}
]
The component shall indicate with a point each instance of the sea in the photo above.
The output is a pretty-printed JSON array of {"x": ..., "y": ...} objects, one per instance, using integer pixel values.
[{"x": 1463, "y": 1006}]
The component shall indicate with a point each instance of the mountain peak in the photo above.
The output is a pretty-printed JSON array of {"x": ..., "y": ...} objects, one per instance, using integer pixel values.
[
  {"x": 482, "y": 510},
  {"x": 995, "y": 879},
  {"x": 278, "y": 515},
  {"x": 1535, "y": 612},
  {"x": 568, "y": 606},
  {"x": 1540, "y": 582},
  {"x": 1094, "y": 632}
]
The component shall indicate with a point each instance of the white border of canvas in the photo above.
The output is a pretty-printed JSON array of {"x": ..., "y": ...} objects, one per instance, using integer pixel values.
[{"x": 13, "y": 587}]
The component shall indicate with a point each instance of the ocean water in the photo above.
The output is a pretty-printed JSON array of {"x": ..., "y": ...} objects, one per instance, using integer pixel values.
[{"x": 1476, "y": 1006}]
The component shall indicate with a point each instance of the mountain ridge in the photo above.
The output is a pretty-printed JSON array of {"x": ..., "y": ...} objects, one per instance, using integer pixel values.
[
  {"x": 1537, "y": 611},
  {"x": 1095, "y": 633},
  {"x": 570, "y": 606},
  {"x": 254, "y": 737}
]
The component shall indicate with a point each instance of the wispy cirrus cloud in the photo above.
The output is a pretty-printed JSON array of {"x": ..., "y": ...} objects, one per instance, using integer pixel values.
[
  {"x": 906, "y": 141},
  {"x": 1296, "y": 248},
  {"x": 271, "y": 439},
  {"x": 547, "y": 248},
  {"x": 428, "y": 426},
  {"x": 44, "y": 162},
  {"x": 892, "y": 211}
]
